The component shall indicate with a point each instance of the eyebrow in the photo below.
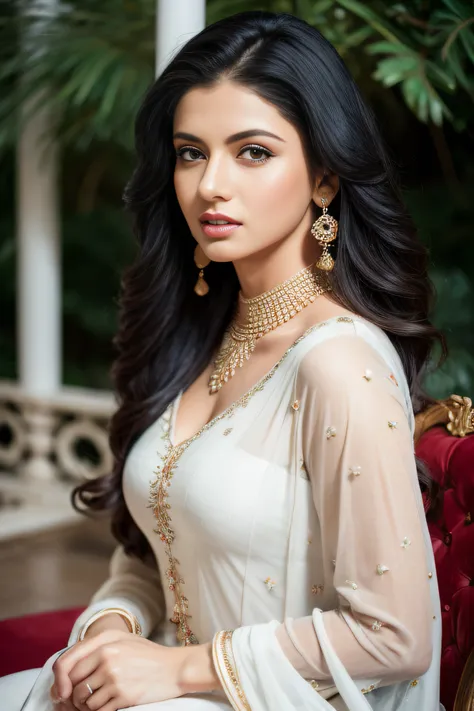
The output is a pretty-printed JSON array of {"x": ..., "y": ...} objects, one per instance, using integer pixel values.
[{"x": 231, "y": 139}]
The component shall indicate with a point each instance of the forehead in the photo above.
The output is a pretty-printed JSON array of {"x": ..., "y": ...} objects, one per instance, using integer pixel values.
[{"x": 226, "y": 108}]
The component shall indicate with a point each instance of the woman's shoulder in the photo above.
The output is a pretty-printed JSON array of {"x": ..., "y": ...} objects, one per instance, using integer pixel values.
[{"x": 343, "y": 350}]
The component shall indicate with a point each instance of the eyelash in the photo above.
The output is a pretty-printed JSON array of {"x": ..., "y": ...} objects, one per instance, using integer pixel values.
[{"x": 180, "y": 152}]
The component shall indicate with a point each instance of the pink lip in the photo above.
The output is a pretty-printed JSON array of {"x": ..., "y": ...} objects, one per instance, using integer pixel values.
[
  {"x": 217, "y": 216},
  {"x": 218, "y": 230}
]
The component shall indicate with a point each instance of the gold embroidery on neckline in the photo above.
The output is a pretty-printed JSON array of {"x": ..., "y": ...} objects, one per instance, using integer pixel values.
[
  {"x": 164, "y": 475},
  {"x": 244, "y": 400}
]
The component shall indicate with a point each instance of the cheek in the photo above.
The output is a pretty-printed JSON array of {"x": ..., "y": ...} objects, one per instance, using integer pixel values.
[
  {"x": 281, "y": 194},
  {"x": 284, "y": 183}
]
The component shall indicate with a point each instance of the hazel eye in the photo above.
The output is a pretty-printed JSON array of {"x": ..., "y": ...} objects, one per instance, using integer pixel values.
[
  {"x": 258, "y": 154},
  {"x": 193, "y": 153}
]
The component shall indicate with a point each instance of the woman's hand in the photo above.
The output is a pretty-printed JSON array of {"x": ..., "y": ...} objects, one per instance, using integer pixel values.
[
  {"x": 126, "y": 670},
  {"x": 107, "y": 622}
]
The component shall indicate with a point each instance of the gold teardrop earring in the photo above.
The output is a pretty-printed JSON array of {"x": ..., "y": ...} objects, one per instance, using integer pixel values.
[
  {"x": 201, "y": 261},
  {"x": 324, "y": 229}
]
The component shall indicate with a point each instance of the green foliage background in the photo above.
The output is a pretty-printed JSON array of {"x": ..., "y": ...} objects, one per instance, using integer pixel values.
[{"x": 413, "y": 61}]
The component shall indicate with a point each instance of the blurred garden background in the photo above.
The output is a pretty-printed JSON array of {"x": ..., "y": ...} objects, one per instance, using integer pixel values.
[{"x": 414, "y": 62}]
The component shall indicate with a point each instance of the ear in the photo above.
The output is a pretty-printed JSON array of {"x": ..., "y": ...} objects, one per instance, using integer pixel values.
[{"x": 326, "y": 186}]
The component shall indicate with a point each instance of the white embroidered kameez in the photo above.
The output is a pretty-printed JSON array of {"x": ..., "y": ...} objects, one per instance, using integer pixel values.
[{"x": 295, "y": 519}]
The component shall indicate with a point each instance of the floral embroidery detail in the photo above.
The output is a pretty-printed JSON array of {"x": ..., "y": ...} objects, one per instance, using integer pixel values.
[
  {"x": 405, "y": 543},
  {"x": 392, "y": 424},
  {"x": 354, "y": 472},
  {"x": 369, "y": 689},
  {"x": 270, "y": 583},
  {"x": 314, "y": 684},
  {"x": 414, "y": 682},
  {"x": 317, "y": 589},
  {"x": 381, "y": 569},
  {"x": 376, "y": 625},
  {"x": 330, "y": 432},
  {"x": 228, "y": 431},
  {"x": 353, "y": 585},
  {"x": 161, "y": 508},
  {"x": 295, "y": 405},
  {"x": 344, "y": 319},
  {"x": 367, "y": 375},
  {"x": 393, "y": 379}
]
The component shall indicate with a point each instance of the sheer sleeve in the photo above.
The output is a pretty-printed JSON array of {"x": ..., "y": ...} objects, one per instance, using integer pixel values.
[
  {"x": 359, "y": 455},
  {"x": 132, "y": 584}
]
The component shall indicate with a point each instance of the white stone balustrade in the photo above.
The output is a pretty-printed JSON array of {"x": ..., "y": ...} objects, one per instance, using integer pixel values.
[{"x": 47, "y": 445}]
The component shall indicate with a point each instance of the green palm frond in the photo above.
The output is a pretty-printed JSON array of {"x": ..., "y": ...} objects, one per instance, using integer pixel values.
[
  {"x": 418, "y": 78},
  {"x": 428, "y": 57},
  {"x": 90, "y": 66}
]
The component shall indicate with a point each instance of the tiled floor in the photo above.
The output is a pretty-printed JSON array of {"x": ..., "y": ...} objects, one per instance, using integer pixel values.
[{"x": 55, "y": 569}]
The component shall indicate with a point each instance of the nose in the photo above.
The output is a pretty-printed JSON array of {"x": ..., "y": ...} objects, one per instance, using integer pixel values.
[{"x": 216, "y": 180}]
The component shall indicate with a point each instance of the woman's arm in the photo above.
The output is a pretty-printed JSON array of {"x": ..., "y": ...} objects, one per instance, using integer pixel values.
[
  {"x": 359, "y": 455},
  {"x": 133, "y": 585}
]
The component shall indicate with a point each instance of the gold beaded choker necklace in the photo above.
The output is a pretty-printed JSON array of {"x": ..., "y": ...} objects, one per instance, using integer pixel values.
[{"x": 265, "y": 313}]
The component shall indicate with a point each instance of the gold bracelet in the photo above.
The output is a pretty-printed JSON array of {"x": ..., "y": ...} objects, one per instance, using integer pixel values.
[
  {"x": 132, "y": 622},
  {"x": 224, "y": 664}
]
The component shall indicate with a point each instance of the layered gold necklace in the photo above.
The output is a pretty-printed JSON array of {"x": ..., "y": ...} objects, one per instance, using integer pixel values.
[{"x": 265, "y": 313}]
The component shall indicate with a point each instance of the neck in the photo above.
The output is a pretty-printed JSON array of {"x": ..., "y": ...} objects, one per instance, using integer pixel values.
[{"x": 263, "y": 271}]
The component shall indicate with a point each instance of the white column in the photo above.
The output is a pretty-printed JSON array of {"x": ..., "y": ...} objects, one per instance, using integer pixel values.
[
  {"x": 176, "y": 22},
  {"x": 39, "y": 260}
]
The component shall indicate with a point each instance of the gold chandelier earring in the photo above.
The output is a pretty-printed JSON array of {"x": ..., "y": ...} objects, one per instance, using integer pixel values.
[
  {"x": 324, "y": 229},
  {"x": 201, "y": 261}
]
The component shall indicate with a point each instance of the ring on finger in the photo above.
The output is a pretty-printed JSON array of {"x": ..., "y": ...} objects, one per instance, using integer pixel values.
[{"x": 90, "y": 690}]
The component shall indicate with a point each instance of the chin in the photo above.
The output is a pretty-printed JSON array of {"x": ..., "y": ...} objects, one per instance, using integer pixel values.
[{"x": 224, "y": 251}]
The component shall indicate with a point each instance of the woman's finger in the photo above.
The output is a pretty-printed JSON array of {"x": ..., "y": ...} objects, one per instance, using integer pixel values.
[
  {"x": 102, "y": 700},
  {"x": 82, "y": 691},
  {"x": 85, "y": 667},
  {"x": 59, "y": 704}
]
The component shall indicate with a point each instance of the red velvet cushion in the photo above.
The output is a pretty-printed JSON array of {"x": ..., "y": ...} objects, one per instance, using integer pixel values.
[
  {"x": 27, "y": 642},
  {"x": 451, "y": 462}
]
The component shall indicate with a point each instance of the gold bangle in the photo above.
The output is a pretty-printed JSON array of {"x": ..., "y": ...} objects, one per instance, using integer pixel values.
[
  {"x": 132, "y": 622},
  {"x": 224, "y": 664}
]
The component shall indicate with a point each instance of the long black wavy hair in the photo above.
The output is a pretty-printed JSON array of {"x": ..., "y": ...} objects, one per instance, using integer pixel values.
[{"x": 167, "y": 334}]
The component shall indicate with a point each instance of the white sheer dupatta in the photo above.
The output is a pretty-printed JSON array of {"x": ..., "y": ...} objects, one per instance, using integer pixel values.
[{"x": 268, "y": 681}]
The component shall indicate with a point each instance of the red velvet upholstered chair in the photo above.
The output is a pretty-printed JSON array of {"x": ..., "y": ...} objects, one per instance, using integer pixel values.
[
  {"x": 444, "y": 441},
  {"x": 441, "y": 442}
]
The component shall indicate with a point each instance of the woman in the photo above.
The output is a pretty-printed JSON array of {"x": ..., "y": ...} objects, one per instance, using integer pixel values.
[{"x": 265, "y": 492}]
